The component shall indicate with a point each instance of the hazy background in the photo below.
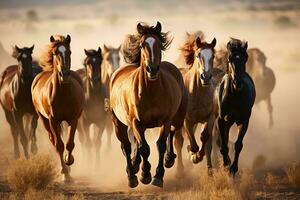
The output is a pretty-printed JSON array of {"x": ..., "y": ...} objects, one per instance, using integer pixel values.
[{"x": 271, "y": 25}]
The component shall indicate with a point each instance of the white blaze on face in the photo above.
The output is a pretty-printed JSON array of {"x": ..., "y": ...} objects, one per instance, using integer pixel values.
[
  {"x": 62, "y": 49},
  {"x": 24, "y": 55},
  {"x": 150, "y": 41},
  {"x": 206, "y": 55},
  {"x": 115, "y": 61}
]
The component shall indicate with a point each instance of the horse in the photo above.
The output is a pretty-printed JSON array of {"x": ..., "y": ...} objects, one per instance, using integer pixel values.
[
  {"x": 262, "y": 75},
  {"x": 234, "y": 99},
  {"x": 111, "y": 62},
  {"x": 147, "y": 93},
  {"x": 95, "y": 93},
  {"x": 197, "y": 77},
  {"x": 16, "y": 101},
  {"x": 58, "y": 95}
]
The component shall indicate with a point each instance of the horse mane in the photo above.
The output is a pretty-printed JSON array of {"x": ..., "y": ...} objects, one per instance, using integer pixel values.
[
  {"x": 189, "y": 47},
  {"x": 46, "y": 59},
  {"x": 131, "y": 46}
]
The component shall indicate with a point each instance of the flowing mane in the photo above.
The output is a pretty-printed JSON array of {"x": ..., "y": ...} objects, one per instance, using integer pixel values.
[
  {"x": 131, "y": 45},
  {"x": 189, "y": 47},
  {"x": 46, "y": 59}
]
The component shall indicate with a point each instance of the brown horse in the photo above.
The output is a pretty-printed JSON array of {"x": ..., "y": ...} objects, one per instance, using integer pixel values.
[
  {"x": 16, "y": 101},
  {"x": 262, "y": 75},
  {"x": 111, "y": 62},
  {"x": 147, "y": 93},
  {"x": 199, "y": 57},
  {"x": 95, "y": 93},
  {"x": 58, "y": 95}
]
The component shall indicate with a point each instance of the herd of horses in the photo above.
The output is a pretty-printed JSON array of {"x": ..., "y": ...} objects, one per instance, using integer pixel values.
[{"x": 216, "y": 88}]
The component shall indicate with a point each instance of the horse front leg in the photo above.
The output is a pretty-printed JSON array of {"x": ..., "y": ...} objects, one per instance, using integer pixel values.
[
  {"x": 239, "y": 146},
  {"x": 178, "y": 145},
  {"x": 55, "y": 128},
  {"x": 33, "y": 147},
  {"x": 208, "y": 143},
  {"x": 23, "y": 138},
  {"x": 161, "y": 146},
  {"x": 121, "y": 133},
  {"x": 223, "y": 127},
  {"x": 193, "y": 148},
  {"x": 14, "y": 131},
  {"x": 69, "y": 159},
  {"x": 136, "y": 160},
  {"x": 170, "y": 156},
  {"x": 98, "y": 141}
]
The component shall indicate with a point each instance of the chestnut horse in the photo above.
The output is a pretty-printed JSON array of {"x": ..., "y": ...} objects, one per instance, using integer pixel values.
[
  {"x": 16, "y": 101},
  {"x": 262, "y": 75},
  {"x": 234, "y": 100},
  {"x": 147, "y": 93},
  {"x": 111, "y": 62},
  {"x": 95, "y": 93},
  {"x": 58, "y": 95},
  {"x": 199, "y": 57}
]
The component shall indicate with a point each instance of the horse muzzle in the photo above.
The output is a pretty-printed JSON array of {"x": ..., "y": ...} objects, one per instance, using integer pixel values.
[
  {"x": 152, "y": 72},
  {"x": 205, "y": 79}
]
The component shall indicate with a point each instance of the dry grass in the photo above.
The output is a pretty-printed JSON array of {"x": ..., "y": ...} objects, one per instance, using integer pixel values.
[
  {"x": 220, "y": 186},
  {"x": 293, "y": 173},
  {"x": 271, "y": 180},
  {"x": 31, "y": 194},
  {"x": 35, "y": 173}
]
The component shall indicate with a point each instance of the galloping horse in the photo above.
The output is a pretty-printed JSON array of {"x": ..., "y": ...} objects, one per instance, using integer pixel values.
[
  {"x": 16, "y": 101},
  {"x": 58, "y": 95},
  {"x": 234, "y": 99},
  {"x": 199, "y": 57},
  {"x": 93, "y": 111},
  {"x": 147, "y": 93},
  {"x": 111, "y": 62},
  {"x": 262, "y": 75}
]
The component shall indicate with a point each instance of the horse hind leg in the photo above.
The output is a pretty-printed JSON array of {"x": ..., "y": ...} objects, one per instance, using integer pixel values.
[
  {"x": 33, "y": 123},
  {"x": 98, "y": 141},
  {"x": 270, "y": 111},
  {"x": 14, "y": 132},
  {"x": 121, "y": 133},
  {"x": 238, "y": 146}
]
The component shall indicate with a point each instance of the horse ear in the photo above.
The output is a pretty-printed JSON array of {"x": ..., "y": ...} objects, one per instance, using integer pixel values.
[
  {"x": 213, "y": 42},
  {"x": 17, "y": 48},
  {"x": 52, "y": 39},
  {"x": 198, "y": 42},
  {"x": 139, "y": 28},
  {"x": 228, "y": 45},
  {"x": 99, "y": 51},
  {"x": 68, "y": 39},
  {"x": 187, "y": 34},
  {"x": 105, "y": 48},
  {"x": 31, "y": 48},
  {"x": 245, "y": 46},
  {"x": 158, "y": 26},
  {"x": 86, "y": 52}
]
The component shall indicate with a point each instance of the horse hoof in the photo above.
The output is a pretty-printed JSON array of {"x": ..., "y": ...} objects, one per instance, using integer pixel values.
[
  {"x": 196, "y": 158},
  {"x": 133, "y": 182},
  {"x": 68, "y": 179},
  {"x": 170, "y": 160},
  {"x": 233, "y": 170},
  {"x": 158, "y": 182},
  {"x": 69, "y": 160},
  {"x": 146, "y": 179},
  {"x": 210, "y": 172}
]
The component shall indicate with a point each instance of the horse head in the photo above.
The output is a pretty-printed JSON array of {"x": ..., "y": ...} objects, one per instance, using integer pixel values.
[
  {"x": 24, "y": 57},
  {"x": 92, "y": 64}
]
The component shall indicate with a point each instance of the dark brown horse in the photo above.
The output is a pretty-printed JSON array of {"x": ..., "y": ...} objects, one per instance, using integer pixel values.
[
  {"x": 58, "y": 96},
  {"x": 111, "y": 62},
  {"x": 16, "y": 101},
  {"x": 199, "y": 57},
  {"x": 95, "y": 93},
  {"x": 263, "y": 76},
  {"x": 234, "y": 100},
  {"x": 147, "y": 93}
]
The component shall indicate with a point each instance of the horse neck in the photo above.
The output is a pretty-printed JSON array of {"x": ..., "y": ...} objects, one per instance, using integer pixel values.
[
  {"x": 93, "y": 91},
  {"x": 21, "y": 75},
  {"x": 105, "y": 73}
]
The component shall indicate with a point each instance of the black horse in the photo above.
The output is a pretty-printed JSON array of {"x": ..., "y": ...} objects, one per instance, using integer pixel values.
[
  {"x": 16, "y": 101},
  {"x": 235, "y": 97}
]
